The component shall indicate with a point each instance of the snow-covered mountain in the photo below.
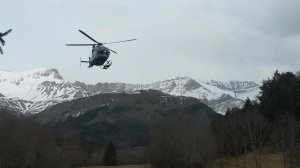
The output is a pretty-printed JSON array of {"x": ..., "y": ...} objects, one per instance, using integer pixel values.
[
  {"x": 38, "y": 85},
  {"x": 218, "y": 99},
  {"x": 241, "y": 89},
  {"x": 34, "y": 91}
]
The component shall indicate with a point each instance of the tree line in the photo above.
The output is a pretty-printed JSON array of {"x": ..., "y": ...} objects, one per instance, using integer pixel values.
[
  {"x": 270, "y": 122},
  {"x": 24, "y": 143}
]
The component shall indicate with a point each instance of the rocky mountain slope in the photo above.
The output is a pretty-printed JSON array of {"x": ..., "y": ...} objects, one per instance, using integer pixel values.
[
  {"x": 36, "y": 90},
  {"x": 241, "y": 89}
]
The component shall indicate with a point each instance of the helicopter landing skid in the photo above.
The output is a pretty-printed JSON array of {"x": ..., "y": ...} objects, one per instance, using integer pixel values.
[{"x": 107, "y": 65}]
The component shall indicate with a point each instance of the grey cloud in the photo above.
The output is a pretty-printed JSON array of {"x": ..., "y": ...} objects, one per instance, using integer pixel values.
[
  {"x": 277, "y": 17},
  {"x": 206, "y": 39}
]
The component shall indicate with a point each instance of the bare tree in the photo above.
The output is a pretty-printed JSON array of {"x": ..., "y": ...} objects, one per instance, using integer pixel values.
[
  {"x": 182, "y": 142},
  {"x": 236, "y": 136},
  {"x": 24, "y": 143},
  {"x": 257, "y": 128},
  {"x": 287, "y": 128}
]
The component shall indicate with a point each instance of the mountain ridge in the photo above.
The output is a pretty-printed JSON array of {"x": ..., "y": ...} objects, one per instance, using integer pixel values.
[{"x": 35, "y": 90}]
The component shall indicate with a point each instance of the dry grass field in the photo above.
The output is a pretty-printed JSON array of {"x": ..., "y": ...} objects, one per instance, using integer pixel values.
[
  {"x": 269, "y": 160},
  {"x": 122, "y": 166}
]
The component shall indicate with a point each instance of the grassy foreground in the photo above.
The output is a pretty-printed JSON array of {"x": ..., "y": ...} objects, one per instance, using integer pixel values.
[
  {"x": 123, "y": 166},
  {"x": 269, "y": 160}
]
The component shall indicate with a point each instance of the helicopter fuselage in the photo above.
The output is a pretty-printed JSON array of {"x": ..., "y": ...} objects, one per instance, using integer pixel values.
[
  {"x": 100, "y": 53},
  {"x": 99, "y": 56}
]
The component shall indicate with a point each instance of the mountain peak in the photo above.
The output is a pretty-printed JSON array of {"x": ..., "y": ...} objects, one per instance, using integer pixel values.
[
  {"x": 47, "y": 74},
  {"x": 31, "y": 85},
  {"x": 44, "y": 72}
]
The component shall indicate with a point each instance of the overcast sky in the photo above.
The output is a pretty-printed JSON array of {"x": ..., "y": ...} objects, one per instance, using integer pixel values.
[{"x": 203, "y": 39}]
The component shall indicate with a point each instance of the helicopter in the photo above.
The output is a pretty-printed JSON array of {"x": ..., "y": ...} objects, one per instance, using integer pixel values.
[
  {"x": 100, "y": 53},
  {"x": 1, "y": 40}
]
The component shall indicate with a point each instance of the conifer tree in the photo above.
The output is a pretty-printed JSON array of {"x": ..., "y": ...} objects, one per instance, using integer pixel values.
[
  {"x": 110, "y": 155},
  {"x": 248, "y": 104}
]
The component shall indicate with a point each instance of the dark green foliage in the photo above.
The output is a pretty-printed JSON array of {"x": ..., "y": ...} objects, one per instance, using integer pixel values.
[
  {"x": 248, "y": 104},
  {"x": 110, "y": 155},
  {"x": 280, "y": 95}
]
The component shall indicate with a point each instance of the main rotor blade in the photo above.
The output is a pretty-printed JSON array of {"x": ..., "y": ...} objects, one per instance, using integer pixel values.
[
  {"x": 89, "y": 36},
  {"x": 1, "y": 52},
  {"x": 112, "y": 51},
  {"x": 120, "y": 41},
  {"x": 2, "y": 41},
  {"x": 8, "y": 31},
  {"x": 80, "y": 44}
]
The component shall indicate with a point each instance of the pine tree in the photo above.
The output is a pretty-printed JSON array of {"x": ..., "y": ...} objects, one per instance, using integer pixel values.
[
  {"x": 248, "y": 104},
  {"x": 110, "y": 155},
  {"x": 280, "y": 95}
]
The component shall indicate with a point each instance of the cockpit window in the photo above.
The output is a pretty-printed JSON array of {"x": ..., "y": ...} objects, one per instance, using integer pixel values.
[{"x": 104, "y": 52}]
